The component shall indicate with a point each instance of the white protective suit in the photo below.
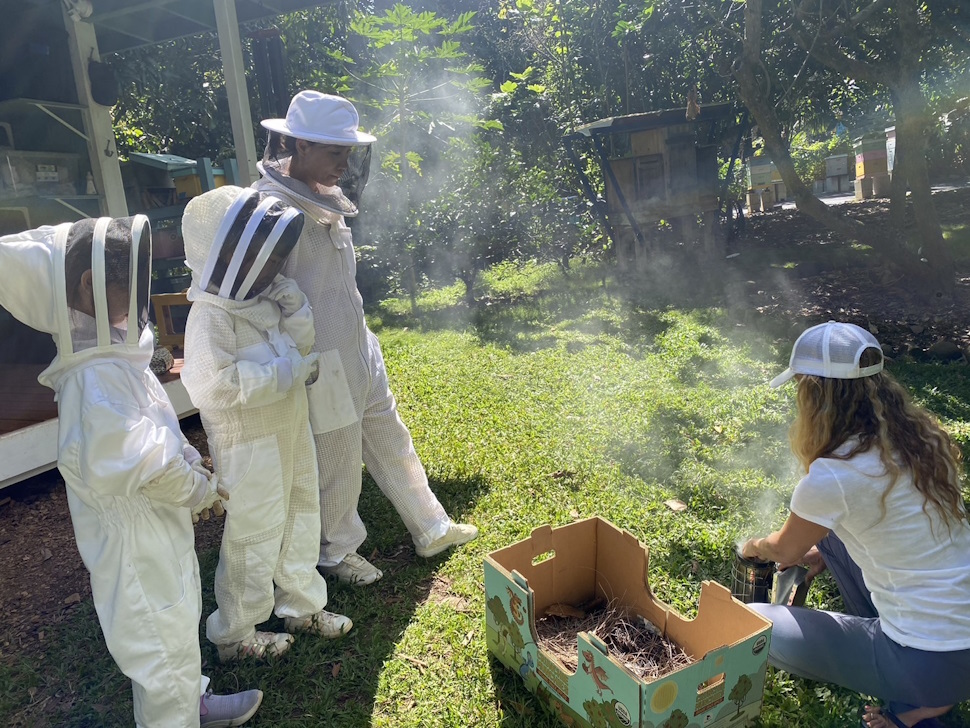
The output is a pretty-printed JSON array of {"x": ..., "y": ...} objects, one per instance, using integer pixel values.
[
  {"x": 245, "y": 370},
  {"x": 352, "y": 410},
  {"x": 127, "y": 468}
]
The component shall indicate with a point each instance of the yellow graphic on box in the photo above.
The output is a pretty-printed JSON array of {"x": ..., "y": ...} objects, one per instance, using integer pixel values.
[
  {"x": 663, "y": 697},
  {"x": 708, "y": 698},
  {"x": 549, "y": 672}
]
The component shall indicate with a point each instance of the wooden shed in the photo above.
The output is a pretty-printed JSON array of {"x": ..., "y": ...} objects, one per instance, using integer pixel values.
[
  {"x": 659, "y": 166},
  {"x": 58, "y": 148}
]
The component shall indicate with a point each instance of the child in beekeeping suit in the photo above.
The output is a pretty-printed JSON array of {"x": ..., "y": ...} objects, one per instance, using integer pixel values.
[
  {"x": 133, "y": 481},
  {"x": 247, "y": 360}
]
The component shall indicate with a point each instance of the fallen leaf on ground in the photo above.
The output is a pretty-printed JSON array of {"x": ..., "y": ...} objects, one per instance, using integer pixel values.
[
  {"x": 75, "y": 598},
  {"x": 565, "y": 610},
  {"x": 335, "y": 670},
  {"x": 675, "y": 505}
]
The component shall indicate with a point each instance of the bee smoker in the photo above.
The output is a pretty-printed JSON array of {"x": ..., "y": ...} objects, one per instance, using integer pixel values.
[{"x": 751, "y": 579}]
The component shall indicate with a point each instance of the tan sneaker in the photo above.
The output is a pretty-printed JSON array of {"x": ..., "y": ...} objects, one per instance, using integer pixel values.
[
  {"x": 262, "y": 645},
  {"x": 457, "y": 534},
  {"x": 354, "y": 569},
  {"x": 324, "y": 623}
]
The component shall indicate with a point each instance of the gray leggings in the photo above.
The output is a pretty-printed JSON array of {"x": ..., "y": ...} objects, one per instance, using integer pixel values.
[{"x": 851, "y": 650}]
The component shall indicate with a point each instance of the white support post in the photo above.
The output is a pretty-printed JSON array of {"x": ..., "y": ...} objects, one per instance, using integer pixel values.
[
  {"x": 102, "y": 150},
  {"x": 230, "y": 47}
]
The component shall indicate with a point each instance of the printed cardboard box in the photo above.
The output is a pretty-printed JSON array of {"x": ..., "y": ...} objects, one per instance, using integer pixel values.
[{"x": 590, "y": 559}]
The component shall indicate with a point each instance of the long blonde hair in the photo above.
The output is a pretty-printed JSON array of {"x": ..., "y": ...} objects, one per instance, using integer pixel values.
[{"x": 878, "y": 411}]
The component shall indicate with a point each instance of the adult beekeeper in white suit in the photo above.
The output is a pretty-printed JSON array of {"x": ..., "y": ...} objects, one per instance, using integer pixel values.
[
  {"x": 247, "y": 359},
  {"x": 352, "y": 410},
  {"x": 133, "y": 481}
]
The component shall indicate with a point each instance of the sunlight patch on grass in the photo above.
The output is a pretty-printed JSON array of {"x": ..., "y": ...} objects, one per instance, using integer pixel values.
[{"x": 524, "y": 278}]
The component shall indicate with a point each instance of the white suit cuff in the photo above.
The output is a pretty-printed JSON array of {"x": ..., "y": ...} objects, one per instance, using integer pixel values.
[{"x": 284, "y": 374}]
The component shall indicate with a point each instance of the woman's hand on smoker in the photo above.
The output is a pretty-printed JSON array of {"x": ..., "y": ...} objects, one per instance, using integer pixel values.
[
  {"x": 749, "y": 550},
  {"x": 811, "y": 560}
]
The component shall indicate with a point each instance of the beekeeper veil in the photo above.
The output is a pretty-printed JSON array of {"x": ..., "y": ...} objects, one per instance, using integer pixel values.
[
  {"x": 86, "y": 283},
  {"x": 237, "y": 240},
  {"x": 342, "y": 198},
  {"x": 107, "y": 275},
  {"x": 320, "y": 119}
]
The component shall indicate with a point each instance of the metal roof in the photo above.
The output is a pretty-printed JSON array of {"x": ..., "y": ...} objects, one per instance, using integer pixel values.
[
  {"x": 124, "y": 24},
  {"x": 656, "y": 120}
]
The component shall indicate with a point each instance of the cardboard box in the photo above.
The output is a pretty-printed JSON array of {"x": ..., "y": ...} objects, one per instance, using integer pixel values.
[{"x": 593, "y": 558}]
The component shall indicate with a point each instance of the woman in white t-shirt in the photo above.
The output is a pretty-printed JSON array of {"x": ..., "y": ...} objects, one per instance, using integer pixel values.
[{"x": 881, "y": 506}]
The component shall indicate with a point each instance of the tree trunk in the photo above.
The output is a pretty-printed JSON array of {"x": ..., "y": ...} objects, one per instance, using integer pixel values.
[
  {"x": 753, "y": 86},
  {"x": 927, "y": 259},
  {"x": 411, "y": 281},
  {"x": 911, "y": 142},
  {"x": 753, "y": 92},
  {"x": 468, "y": 277}
]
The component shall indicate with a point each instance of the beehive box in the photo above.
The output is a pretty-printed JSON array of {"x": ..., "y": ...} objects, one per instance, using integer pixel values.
[
  {"x": 870, "y": 156},
  {"x": 188, "y": 184},
  {"x": 761, "y": 172},
  {"x": 591, "y": 559}
]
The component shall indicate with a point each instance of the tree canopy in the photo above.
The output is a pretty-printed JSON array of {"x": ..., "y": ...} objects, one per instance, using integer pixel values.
[{"x": 493, "y": 87}]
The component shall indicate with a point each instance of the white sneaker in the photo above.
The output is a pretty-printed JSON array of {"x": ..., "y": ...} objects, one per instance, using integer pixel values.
[
  {"x": 324, "y": 623},
  {"x": 225, "y": 711},
  {"x": 354, "y": 569},
  {"x": 261, "y": 645},
  {"x": 457, "y": 534}
]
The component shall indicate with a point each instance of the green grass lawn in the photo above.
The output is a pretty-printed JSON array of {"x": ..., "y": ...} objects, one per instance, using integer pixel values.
[{"x": 559, "y": 399}]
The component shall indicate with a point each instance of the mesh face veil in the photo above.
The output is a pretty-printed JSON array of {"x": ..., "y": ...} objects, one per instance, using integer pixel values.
[
  {"x": 353, "y": 181},
  {"x": 250, "y": 246},
  {"x": 109, "y": 305},
  {"x": 341, "y": 198}
]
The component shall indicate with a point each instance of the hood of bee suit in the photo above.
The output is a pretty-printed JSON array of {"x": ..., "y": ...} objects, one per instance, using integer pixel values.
[
  {"x": 34, "y": 270},
  {"x": 236, "y": 243},
  {"x": 313, "y": 201}
]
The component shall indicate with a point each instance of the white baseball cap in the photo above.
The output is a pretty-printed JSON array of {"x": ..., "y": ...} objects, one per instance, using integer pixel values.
[
  {"x": 323, "y": 118},
  {"x": 831, "y": 350}
]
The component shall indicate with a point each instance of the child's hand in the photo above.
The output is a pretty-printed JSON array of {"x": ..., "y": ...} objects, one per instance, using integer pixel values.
[
  {"x": 304, "y": 367},
  {"x": 313, "y": 359},
  {"x": 212, "y": 502},
  {"x": 287, "y": 294}
]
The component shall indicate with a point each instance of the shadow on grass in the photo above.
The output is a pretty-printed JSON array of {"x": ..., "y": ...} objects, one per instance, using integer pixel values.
[
  {"x": 335, "y": 682},
  {"x": 331, "y": 682},
  {"x": 944, "y": 389},
  {"x": 520, "y": 708}
]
